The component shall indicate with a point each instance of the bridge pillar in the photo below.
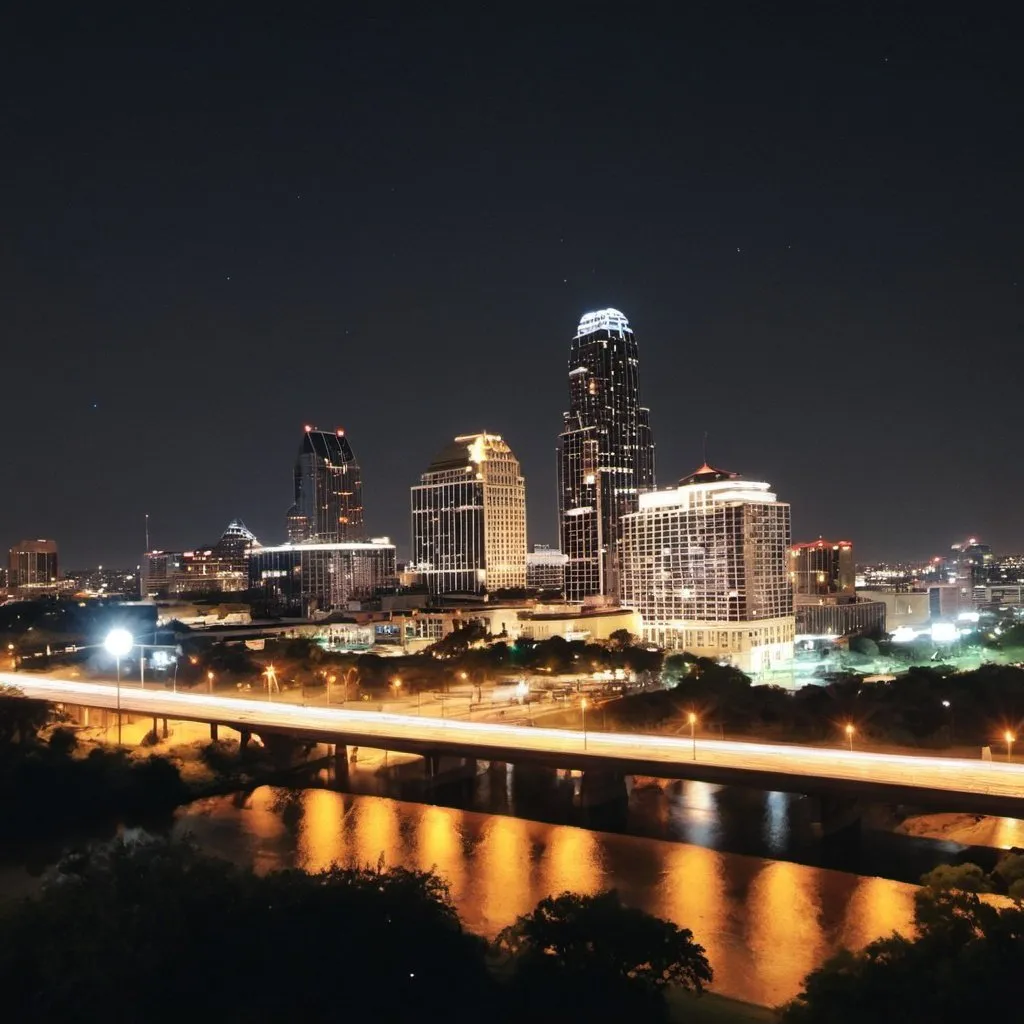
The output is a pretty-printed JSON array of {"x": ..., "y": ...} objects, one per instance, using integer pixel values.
[
  {"x": 340, "y": 763},
  {"x": 243, "y": 739},
  {"x": 529, "y": 779},
  {"x": 600, "y": 787},
  {"x": 213, "y": 731},
  {"x": 85, "y": 716},
  {"x": 836, "y": 816},
  {"x": 431, "y": 765},
  {"x": 166, "y": 730}
]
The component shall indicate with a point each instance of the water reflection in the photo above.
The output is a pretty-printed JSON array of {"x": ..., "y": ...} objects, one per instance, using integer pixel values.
[
  {"x": 502, "y": 872},
  {"x": 783, "y": 925},
  {"x": 765, "y": 924}
]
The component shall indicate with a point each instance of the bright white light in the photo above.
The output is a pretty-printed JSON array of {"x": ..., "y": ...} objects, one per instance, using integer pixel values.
[
  {"x": 944, "y": 633},
  {"x": 119, "y": 642},
  {"x": 903, "y": 635},
  {"x": 968, "y": 617}
]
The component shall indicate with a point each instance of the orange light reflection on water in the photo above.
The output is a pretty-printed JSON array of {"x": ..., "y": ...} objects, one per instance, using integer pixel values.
[
  {"x": 321, "y": 838},
  {"x": 784, "y": 933},
  {"x": 439, "y": 846},
  {"x": 502, "y": 868}
]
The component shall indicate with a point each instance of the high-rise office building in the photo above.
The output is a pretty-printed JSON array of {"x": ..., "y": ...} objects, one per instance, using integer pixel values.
[
  {"x": 822, "y": 567},
  {"x": 33, "y": 564},
  {"x": 328, "y": 504},
  {"x": 606, "y": 451},
  {"x": 545, "y": 569},
  {"x": 469, "y": 518},
  {"x": 309, "y": 579},
  {"x": 704, "y": 563}
]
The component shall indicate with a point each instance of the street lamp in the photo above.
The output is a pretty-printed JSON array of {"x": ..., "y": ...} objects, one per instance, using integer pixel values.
[
  {"x": 271, "y": 674},
  {"x": 396, "y": 685},
  {"x": 692, "y": 719},
  {"x": 330, "y": 679},
  {"x": 118, "y": 643},
  {"x": 1009, "y": 737},
  {"x": 849, "y": 734},
  {"x": 949, "y": 707},
  {"x": 209, "y": 680},
  {"x": 583, "y": 708}
]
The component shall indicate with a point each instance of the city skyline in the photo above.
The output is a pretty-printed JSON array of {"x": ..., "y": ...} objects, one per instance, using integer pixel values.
[{"x": 812, "y": 225}]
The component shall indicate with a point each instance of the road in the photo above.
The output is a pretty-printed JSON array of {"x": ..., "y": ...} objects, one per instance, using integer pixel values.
[{"x": 952, "y": 783}]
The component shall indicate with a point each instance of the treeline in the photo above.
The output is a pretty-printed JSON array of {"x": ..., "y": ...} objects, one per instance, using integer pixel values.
[
  {"x": 461, "y": 657},
  {"x": 925, "y": 707},
  {"x": 151, "y": 930},
  {"x": 146, "y": 929}
]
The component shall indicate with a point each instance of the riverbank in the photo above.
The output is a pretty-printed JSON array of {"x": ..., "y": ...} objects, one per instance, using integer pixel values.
[{"x": 965, "y": 829}]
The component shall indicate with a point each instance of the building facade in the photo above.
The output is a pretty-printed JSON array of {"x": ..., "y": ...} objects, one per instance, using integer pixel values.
[
  {"x": 704, "y": 564},
  {"x": 216, "y": 568},
  {"x": 469, "y": 518},
  {"x": 32, "y": 565},
  {"x": 328, "y": 506},
  {"x": 605, "y": 452},
  {"x": 545, "y": 568},
  {"x": 306, "y": 580},
  {"x": 828, "y": 616},
  {"x": 822, "y": 567}
]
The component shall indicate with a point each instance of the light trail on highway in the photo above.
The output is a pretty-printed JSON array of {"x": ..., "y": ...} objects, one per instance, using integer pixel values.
[{"x": 393, "y": 731}]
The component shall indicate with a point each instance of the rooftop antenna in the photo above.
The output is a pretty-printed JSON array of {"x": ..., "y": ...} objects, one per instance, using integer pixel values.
[
  {"x": 147, "y": 531},
  {"x": 706, "y": 448}
]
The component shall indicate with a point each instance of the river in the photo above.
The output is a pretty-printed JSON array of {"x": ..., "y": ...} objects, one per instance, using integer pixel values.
[
  {"x": 738, "y": 867},
  {"x": 764, "y": 923}
]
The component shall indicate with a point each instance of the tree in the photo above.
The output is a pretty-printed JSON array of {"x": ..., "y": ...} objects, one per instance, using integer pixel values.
[
  {"x": 676, "y": 668},
  {"x": 957, "y": 878},
  {"x": 620, "y": 639},
  {"x": 964, "y": 965},
  {"x": 128, "y": 925},
  {"x": 591, "y": 955},
  {"x": 21, "y": 717}
]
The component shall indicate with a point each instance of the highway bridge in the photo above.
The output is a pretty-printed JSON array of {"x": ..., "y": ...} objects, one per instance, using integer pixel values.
[{"x": 940, "y": 783}]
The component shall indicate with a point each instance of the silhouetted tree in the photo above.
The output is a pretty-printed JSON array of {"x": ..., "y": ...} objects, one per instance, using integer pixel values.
[
  {"x": 592, "y": 956},
  {"x": 965, "y": 964}
]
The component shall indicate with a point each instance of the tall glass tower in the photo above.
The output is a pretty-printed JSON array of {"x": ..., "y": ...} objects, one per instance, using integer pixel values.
[
  {"x": 605, "y": 452},
  {"x": 328, "y": 490}
]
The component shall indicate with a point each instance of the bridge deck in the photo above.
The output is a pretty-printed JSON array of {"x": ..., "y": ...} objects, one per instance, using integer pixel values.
[{"x": 987, "y": 787}]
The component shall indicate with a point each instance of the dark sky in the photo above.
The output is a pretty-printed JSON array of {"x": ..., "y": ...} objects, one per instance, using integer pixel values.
[{"x": 218, "y": 226}]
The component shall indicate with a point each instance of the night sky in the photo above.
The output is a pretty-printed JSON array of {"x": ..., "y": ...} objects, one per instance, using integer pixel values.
[{"x": 221, "y": 224}]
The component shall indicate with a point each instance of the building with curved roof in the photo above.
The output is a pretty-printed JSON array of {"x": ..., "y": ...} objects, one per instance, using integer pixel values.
[{"x": 606, "y": 451}]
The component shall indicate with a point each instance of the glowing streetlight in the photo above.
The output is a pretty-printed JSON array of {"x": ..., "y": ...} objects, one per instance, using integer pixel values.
[
  {"x": 209, "y": 680},
  {"x": 271, "y": 673},
  {"x": 583, "y": 708},
  {"x": 692, "y": 719},
  {"x": 849, "y": 734},
  {"x": 396, "y": 685},
  {"x": 1009, "y": 738},
  {"x": 330, "y": 680},
  {"x": 949, "y": 707},
  {"x": 118, "y": 643}
]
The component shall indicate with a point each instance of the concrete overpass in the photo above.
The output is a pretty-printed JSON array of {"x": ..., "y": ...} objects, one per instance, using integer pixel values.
[{"x": 947, "y": 784}]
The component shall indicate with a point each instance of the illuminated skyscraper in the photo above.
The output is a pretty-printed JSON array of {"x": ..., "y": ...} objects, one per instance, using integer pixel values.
[
  {"x": 822, "y": 567},
  {"x": 705, "y": 565},
  {"x": 33, "y": 564},
  {"x": 328, "y": 505},
  {"x": 469, "y": 518},
  {"x": 606, "y": 451}
]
